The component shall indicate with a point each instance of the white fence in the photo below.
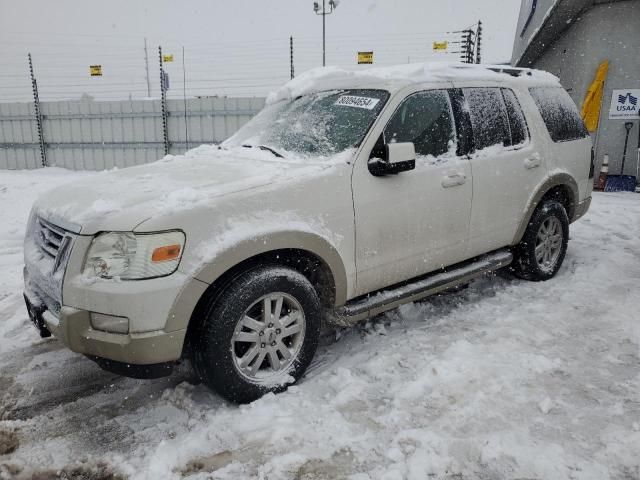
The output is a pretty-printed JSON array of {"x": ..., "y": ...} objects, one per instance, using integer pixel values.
[{"x": 90, "y": 135}]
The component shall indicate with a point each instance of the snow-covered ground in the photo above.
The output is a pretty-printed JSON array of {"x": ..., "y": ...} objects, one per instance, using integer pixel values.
[{"x": 503, "y": 380}]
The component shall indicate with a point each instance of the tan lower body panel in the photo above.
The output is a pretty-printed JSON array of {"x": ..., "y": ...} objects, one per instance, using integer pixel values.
[{"x": 73, "y": 328}]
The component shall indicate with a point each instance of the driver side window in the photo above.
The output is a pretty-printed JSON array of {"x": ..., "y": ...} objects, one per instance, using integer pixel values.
[{"x": 425, "y": 119}]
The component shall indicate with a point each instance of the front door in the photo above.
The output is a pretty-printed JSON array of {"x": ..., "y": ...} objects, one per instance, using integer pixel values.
[{"x": 417, "y": 221}]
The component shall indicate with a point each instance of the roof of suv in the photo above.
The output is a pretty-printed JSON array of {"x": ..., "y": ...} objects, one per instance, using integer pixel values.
[{"x": 397, "y": 77}]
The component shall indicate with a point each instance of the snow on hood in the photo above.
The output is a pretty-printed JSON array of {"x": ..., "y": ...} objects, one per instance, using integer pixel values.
[
  {"x": 392, "y": 78},
  {"x": 121, "y": 199}
]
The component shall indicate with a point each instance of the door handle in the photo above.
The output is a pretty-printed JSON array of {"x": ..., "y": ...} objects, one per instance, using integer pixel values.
[
  {"x": 454, "y": 180},
  {"x": 530, "y": 163}
]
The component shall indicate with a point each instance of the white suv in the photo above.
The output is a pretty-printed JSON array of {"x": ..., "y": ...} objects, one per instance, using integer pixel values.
[{"x": 349, "y": 194}]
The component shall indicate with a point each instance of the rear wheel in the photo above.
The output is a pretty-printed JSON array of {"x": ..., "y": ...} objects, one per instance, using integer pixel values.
[
  {"x": 541, "y": 252},
  {"x": 259, "y": 335}
]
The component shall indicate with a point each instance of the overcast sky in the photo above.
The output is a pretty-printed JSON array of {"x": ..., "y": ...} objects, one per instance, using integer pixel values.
[{"x": 235, "y": 47}]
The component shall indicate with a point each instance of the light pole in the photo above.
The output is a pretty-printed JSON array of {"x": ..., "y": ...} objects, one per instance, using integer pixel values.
[{"x": 316, "y": 8}]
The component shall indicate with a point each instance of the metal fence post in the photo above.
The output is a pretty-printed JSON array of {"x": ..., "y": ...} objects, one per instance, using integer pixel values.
[
  {"x": 163, "y": 100},
  {"x": 291, "y": 56},
  {"x": 38, "y": 113},
  {"x": 479, "y": 42}
]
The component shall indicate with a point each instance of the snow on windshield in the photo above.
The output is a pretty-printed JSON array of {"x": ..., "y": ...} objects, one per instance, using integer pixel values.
[{"x": 323, "y": 124}]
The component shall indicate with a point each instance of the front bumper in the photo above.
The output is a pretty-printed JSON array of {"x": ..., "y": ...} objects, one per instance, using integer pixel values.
[
  {"x": 73, "y": 328},
  {"x": 61, "y": 302}
]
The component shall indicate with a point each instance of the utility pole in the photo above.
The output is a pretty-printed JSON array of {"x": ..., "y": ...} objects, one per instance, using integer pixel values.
[
  {"x": 184, "y": 98},
  {"x": 146, "y": 64},
  {"x": 38, "y": 112},
  {"x": 291, "y": 56},
  {"x": 464, "y": 47},
  {"x": 163, "y": 104},
  {"x": 467, "y": 45},
  {"x": 479, "y": 42},
  {"x": 324, "y": 13},
  {"x": 324, "y": 35}
]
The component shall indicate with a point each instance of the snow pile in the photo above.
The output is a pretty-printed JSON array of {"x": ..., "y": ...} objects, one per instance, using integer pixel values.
[
  {"x": 337, "y": 78},
  {"x": 505, "y": 379}
]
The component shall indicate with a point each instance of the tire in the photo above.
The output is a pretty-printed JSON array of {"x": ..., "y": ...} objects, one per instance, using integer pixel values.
[
  {"x": 236, "y": 335},
  {"x": 547, "y": 231}
]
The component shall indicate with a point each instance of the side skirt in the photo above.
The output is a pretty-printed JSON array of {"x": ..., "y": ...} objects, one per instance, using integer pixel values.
[{"x": 375, "y": 303}]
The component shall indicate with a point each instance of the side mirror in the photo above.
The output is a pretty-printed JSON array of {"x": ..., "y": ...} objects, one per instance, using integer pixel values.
[{"x": 398, "y": 157}]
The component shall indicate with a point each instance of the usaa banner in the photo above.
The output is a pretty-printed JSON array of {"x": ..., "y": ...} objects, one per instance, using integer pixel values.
[{"x": 625, "y": 104}]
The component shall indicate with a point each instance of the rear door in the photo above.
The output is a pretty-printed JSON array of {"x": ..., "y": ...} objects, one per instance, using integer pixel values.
[{"x": 506, "y": 167}]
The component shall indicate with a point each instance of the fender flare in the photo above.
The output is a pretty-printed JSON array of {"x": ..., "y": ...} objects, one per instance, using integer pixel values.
[
  {"x": 246, "y": 249},
  {"x": 556, "y": 180}
]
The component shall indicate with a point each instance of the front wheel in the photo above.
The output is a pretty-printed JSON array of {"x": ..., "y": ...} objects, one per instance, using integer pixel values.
[
  {"x": 260, "y": 334},
  {"x": 541, "y": 252}
]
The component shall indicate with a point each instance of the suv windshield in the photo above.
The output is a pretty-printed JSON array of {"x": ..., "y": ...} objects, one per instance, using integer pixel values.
[{"x": 320, "y": 124}]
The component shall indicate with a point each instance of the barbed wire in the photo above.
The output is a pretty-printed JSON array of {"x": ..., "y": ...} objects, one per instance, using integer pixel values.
[{"x": 244, "y": 68}]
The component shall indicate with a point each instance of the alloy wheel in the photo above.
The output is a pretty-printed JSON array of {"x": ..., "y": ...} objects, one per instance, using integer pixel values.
[
  {"x": 549, "y": 244},
  {"x": 268, "y": 338}
]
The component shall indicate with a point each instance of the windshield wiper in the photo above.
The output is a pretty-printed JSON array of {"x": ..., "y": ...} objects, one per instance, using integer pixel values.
[{"x": 264, "y": 147}]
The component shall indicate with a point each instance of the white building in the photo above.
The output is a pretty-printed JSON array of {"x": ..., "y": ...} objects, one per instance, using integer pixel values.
[{"x": 570, "y": 38}]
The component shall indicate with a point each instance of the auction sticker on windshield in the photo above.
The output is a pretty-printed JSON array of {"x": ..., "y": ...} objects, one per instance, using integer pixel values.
[{"x": 358, "y": 102}]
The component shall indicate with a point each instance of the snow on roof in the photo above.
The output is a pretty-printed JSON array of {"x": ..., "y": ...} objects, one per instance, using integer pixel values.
[{"x": 399, "y": 76}]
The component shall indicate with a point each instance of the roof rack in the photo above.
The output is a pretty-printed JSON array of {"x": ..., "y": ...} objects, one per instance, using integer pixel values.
[{"x": 514, "y": 72}]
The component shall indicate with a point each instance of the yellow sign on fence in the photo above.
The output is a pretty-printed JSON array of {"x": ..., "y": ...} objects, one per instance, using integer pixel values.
[
  {"x": 95, "y": 70},
  {"x": 365, "y": 57},
  {"x": 438, "y": 46},
  {"x": 167, "y": 58}
]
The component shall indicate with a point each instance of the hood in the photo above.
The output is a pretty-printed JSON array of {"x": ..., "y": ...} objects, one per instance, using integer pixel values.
[{"x": 119, "y": 200}]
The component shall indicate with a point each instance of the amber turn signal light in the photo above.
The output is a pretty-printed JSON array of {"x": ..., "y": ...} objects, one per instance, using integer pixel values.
[{"x": 166, "y": 253}]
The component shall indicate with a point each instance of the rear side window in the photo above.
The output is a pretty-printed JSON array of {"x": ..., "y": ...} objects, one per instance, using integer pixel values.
[
  {"x": 517, "y": 122},
  {"x": 559, "y": 113},
  {"x": 488, "y": 117}
]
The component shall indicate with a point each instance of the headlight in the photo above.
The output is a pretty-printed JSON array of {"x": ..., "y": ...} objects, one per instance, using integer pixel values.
[{"x": 131, "y": 256}]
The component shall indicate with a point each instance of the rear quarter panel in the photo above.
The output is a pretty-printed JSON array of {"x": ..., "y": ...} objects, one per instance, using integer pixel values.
[
  {"x": 574, "y": 158},
  {"x": 569, "y": 157}
]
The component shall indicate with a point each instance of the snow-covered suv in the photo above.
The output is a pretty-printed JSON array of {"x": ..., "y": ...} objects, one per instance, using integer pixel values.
[{"x": 349, "y": 194}]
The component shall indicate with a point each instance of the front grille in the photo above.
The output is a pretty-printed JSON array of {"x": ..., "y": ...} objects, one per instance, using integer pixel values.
[
  {"x": 48, "y": 237},
  {"x": 47, "y": 249}
]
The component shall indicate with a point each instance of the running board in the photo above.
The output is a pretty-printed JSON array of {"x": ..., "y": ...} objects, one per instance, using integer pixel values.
[{"x": 374, "y": 304}]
